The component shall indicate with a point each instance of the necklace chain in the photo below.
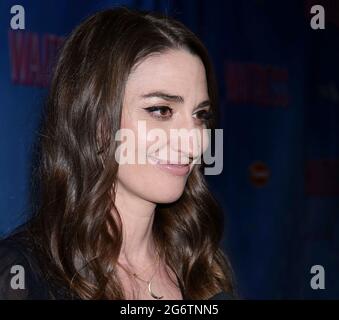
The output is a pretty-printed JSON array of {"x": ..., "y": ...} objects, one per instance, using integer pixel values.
[{"x": 135, "y": 275}]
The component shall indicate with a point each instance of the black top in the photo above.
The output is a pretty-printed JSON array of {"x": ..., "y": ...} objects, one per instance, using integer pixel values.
[{"x": 21, "y": 278}]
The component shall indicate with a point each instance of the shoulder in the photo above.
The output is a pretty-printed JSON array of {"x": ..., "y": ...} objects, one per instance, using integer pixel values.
[{"x": 20, "y": 278}]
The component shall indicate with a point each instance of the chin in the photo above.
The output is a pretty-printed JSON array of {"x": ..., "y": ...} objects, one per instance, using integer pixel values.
[
  {"x": 166, "y": 197},
  {"x": 167, "y": 193}
]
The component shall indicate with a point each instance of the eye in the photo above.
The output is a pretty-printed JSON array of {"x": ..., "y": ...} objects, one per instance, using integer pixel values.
[
  {"x": 160, "y": 112},
  {"x": 204, "y": 115}
]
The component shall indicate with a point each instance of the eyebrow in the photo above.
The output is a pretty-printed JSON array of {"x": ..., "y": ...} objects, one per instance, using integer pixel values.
[{"x": 172, "y": 98}]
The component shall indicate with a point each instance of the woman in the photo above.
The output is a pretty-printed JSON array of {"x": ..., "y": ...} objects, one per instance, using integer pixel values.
[{"x": 109, "y": 230}]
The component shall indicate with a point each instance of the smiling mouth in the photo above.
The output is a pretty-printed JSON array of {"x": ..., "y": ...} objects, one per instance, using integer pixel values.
[
  {"x": 155, "y": 160},
  {"x": 174, "y": 169}
]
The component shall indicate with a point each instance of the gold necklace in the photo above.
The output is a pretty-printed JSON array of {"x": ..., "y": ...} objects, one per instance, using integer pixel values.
[{"x": 148, "y": 282}]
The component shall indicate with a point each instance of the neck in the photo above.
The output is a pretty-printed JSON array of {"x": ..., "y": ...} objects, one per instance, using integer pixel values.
[{"x": 137, "y": 217}]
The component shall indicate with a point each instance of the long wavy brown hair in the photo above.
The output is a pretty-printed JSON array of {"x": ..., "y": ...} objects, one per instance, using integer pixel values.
[{"x": 76, "y": 227}]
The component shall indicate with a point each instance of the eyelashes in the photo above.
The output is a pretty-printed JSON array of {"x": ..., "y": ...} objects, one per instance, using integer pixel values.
[
  {"x": 204, "y": 115},
  {"x": 160, "y": 112},
  {"x": 165, "y": 113}
]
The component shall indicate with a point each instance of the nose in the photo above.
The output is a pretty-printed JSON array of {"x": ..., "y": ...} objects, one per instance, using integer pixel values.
[{"x": 186, "y": 139}]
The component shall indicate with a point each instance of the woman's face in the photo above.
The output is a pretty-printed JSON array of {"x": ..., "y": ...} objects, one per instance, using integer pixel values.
[{"x": 149, "y": 86}]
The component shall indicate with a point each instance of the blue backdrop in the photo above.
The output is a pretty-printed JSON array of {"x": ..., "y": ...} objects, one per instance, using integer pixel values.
[{"x": 279, "y": 99}]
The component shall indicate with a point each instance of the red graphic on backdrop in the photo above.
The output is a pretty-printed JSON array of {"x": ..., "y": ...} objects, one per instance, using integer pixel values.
[
  {"x": 259, "y": 173},
  {"x": 252, "y": 83},
  {"x": 31, "y": 57}
]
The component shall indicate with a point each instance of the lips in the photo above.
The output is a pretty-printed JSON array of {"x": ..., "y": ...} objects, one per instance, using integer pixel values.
[
  {"x": 155, "y": 160},
  {"x": 173, "y": 168}
]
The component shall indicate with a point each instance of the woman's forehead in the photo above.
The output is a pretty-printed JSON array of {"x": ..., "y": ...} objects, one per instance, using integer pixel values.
[{"x": 176, "y": 70}]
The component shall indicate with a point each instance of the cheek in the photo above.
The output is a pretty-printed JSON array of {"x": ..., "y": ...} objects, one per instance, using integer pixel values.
[
  {"x": 145, "y": 180},
  {"x": 150, "y": 183}
]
